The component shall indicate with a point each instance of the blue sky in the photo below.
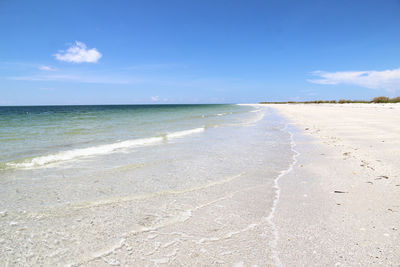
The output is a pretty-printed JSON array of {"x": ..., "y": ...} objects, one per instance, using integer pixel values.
[{"x": 134, "y": 52}]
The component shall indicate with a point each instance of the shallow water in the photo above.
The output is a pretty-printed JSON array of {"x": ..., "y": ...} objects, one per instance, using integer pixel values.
[{"x": 140, "y": 185}]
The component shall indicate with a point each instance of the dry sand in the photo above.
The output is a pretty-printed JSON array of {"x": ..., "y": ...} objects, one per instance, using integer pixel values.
[{"x": 353, "y": 149}]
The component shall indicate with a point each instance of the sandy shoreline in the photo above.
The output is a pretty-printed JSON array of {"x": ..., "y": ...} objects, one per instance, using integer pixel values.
[
  {"x": 353, "y": 149},
  {"x": 258, "y": 194}
]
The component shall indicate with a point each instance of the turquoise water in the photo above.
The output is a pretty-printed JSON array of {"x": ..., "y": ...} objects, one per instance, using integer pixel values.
[{"x": 28, "y": 133}]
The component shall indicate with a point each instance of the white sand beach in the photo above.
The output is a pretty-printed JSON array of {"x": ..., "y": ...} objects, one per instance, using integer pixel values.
[
  {"x": 318, "y": 185},
  {"x": 340, "y": 206},
  {"x": 123, "y": 143}
]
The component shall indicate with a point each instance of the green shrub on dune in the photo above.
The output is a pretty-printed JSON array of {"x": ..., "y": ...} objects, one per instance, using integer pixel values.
[
  {"x": 378, "y": 99},
  {"x": 395, "y": 100}
]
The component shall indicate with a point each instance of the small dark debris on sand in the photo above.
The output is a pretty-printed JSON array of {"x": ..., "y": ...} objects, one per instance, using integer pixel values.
[
  {"x": 382, "y": 176},
  {"x": 340, "y": 192}
]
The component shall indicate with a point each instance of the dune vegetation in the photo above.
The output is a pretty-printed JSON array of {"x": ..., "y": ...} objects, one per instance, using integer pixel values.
[{"x": 378, "y": 99}]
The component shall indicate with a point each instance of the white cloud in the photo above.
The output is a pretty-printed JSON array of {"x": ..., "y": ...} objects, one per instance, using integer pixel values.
[
  {"x": 47, "y": 68},
  {"x": 387, "y": 79},
  {"x": 79, "y": 53},
  {"x": 155, "y": 98}
]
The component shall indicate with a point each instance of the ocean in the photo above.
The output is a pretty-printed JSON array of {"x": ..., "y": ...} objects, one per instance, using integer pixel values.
[{"x": 140, "y": 184}]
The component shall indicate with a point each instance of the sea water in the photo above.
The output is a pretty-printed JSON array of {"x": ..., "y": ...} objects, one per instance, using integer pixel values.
[{"x": 140, "y": 184}]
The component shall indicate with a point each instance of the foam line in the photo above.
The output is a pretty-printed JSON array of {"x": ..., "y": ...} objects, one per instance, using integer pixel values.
[
  {"x": 99, "y": 150},
  {"x": 184, "y": 133},
  {"x": 277, "y": 188},
  {"x": 86, "y": 152}
]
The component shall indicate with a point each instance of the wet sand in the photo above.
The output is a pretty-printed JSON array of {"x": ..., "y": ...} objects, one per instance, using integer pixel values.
[{"x": 340, "y": 206}]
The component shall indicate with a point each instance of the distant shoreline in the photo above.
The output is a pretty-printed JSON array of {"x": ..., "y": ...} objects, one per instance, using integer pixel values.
[{"x": 379, "y": 99}]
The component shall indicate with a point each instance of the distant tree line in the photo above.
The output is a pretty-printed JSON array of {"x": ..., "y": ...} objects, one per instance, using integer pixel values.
[{"x": 379, "y": 99}]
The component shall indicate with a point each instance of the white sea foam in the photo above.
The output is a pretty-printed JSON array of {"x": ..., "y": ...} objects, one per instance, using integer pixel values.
[
  {"x": 277, "y": 188},
  {"x": 257, "y": 117},
  {"x": 99, "y": 150},
  {"x": 184, "y": 133},
  {"x": 86, "y": 152}
]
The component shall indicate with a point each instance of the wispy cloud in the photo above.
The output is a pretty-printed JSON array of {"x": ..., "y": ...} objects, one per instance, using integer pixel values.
[
  {"x": 158, "y": 99},
  {"x": 153, "y": 67},
  {"x": 45, "y": 78},
  {"x": 220, "y": 85},
  {"x": 387, "y": 79},
  {"x": 78, "y": 53},
  {"x": 76, "y": 78},
  {"x": 46, "y": 68},
  {"x": 18, "y": 66}
]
